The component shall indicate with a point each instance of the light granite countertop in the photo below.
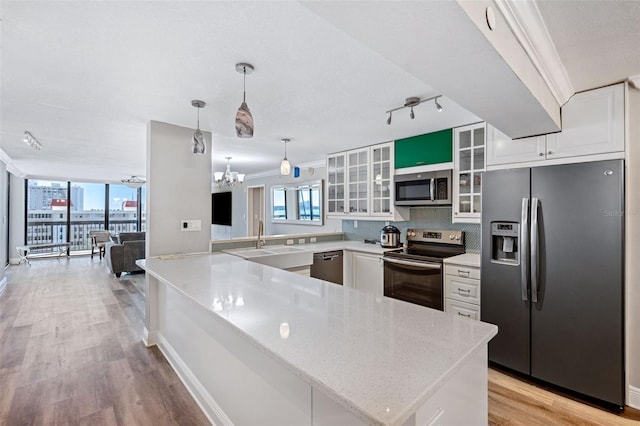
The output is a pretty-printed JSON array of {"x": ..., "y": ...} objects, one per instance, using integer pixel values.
[
  {"x": 466, "y": 259},
  {"x": 378, "y": 357}
]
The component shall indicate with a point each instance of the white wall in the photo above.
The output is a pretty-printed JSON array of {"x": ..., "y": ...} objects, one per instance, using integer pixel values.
[
  {"x": 16, "y": 217},
  {"x": 178, "y": 187},
  {"x": 239, "y": 204},
  {"x": 3, "y": 222},
  {"x": 632, "y": 239}
]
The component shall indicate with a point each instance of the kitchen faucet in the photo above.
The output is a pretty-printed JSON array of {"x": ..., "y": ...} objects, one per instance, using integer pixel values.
[{"x": 260, "y": 243}]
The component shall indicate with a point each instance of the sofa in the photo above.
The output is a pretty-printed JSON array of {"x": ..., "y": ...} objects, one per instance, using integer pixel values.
[{"x": 121, "y": 254}]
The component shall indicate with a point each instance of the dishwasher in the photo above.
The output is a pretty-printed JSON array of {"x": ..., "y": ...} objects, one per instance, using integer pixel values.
[{"x": 328, "y": 266}]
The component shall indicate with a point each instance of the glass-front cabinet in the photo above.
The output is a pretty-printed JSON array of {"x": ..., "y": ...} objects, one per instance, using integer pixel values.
[
  {"x": 358, "y": 194},
  {"x": 360, "y": 184},
  {"x": 336, "y": 167},
  {"x": 382, "y": 179},
  {"x": 469, "y": 165}
]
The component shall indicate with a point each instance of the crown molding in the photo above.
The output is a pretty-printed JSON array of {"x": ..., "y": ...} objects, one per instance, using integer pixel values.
[
  {"x": 527, "y": 25},
  {"x": 635, "y": 81},
  {"x": 4, "y": 157},
  {"x": 276, "y": 172}
]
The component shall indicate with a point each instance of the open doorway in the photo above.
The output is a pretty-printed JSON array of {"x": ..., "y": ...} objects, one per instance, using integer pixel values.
[{"x": 255, "y": 209}]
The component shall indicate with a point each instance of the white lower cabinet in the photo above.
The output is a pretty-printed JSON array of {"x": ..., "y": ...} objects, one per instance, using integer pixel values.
[
  {"x": 462, "y": 290},
  {"x": 364, "y": 271}
]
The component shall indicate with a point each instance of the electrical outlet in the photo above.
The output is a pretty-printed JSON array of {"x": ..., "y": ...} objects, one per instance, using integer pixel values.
[
  {"x": 289, "y": 242},
  {"x": 355, "y": 224},
  {"x": 301, "y": 241},
  {"x": 386, "y": 223},
  {"x": 313, "y": 239},
  {"x": 191, "y": 225}
]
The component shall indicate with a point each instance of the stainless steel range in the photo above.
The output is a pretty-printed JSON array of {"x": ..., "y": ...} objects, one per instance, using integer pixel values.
[{"x": 415, "y": 274}]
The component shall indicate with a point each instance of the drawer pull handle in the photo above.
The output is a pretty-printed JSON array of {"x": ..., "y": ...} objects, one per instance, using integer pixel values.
[
  {"x": 463, "y": 315},
  {"x": 463, "y": 273},
  {"x": 464, "y": 292}
]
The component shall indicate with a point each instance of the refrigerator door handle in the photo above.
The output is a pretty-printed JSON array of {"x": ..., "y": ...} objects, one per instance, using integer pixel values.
[
  {"x": 524, "y": 248},
  {"x": 535, "y": 249}
]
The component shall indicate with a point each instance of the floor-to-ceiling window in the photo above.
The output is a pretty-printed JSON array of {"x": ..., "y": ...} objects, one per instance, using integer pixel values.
[
  {"x": 46, "y": 210},
  {"x": 87, "y": 213},
  {"x": 55, "y": 210},
  {"x": 123, "y": 209}
]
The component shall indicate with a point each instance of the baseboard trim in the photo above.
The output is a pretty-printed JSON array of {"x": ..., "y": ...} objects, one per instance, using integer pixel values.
[
  {"x": 149, "y": 338},
  {"x": 634, "y": 397},
  {"x": 209, "y": 406},
  {"x": 3, "y": 285}
]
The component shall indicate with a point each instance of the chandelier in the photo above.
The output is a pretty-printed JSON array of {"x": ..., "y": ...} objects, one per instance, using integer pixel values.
[
  {"x": 228, "y": 177},
  {"x": 133, "y": 181}
]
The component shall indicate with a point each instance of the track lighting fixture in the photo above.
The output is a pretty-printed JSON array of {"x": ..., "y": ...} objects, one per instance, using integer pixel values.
[
  {"x": 31, "y": 140},
  {"x": 244, "y": 119},
  {"x": 414, "y": 102},
  {"x": 199, "y": 144}
]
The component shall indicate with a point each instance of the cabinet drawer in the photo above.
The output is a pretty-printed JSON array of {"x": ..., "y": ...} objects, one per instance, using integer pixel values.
[
  {"x": 463, "y": 289},
  {"x": 462, "y": 271},
  {"x": 462, "y": 309}
]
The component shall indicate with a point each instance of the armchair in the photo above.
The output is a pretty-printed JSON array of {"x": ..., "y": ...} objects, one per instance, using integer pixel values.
[
  {"x": 121, "y": 257},
  {"x": 99, "y": 240}
]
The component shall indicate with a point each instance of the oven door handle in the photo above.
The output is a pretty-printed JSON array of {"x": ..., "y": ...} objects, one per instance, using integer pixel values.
[{"x": 422, "y": 265}]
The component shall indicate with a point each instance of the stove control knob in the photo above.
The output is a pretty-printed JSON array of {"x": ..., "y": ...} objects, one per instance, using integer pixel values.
[
  {"x": 451, "y": 237},
  {"x": 458, "y": 237},
  {"x": 412, "y": 234}
]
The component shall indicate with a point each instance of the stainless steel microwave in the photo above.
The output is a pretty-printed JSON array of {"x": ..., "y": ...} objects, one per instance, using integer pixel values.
[{"x": 423, "y": 189}]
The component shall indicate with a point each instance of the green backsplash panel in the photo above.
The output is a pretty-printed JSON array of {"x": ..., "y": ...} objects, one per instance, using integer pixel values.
[{"x": 422, "y": 150}]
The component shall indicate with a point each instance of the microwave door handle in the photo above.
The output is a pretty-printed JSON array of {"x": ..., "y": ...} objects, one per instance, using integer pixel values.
[
  {"x": 524, "y": 247},
  {"x": 535, "y": 249},
  {"x": 432, "y": 189}
]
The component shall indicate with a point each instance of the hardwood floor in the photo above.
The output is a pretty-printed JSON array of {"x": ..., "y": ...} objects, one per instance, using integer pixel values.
[
  {"x": 71, "y": 354},
  {"x": 513, "y": 401},
  {"x": 71, "y": 351}
]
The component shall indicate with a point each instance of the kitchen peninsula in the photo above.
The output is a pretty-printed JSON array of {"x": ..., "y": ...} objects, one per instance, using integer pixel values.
[{"x": 259, "y": 345}]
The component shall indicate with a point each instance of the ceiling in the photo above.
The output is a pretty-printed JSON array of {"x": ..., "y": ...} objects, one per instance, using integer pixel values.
[{"x": 87, "y": 82}]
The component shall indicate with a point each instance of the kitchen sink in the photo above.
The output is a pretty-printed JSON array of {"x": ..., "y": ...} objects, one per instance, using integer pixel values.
[
  {"x": 284, "y": 249},
  {"x": 282, "y": 257}
]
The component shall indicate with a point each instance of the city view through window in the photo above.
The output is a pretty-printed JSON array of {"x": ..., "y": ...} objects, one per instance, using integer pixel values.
[{"x": 92, "y": 207}]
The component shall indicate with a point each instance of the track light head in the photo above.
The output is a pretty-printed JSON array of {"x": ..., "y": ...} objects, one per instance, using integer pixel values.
[
  {"x": 438, "y": 106},
  {"x": 412, "y": 115},
  {"x": 389, "y": 119}
]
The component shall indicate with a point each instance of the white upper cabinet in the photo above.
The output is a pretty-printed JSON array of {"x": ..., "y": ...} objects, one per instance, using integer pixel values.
[
  {"x": 501, "y": 149},
  {"x": 592, "y": 125}
]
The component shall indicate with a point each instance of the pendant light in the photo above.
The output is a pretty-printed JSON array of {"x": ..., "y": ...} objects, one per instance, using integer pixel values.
[
  {"x": 285, "y": 166},
  {"x": 244, "y": 119},
  {"x": 199, "y": 145}
]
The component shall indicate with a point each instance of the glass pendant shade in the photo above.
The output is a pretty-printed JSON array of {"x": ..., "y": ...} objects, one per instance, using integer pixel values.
[
  {"x": 199, "y": 145},
  {"x": 244, "y": 122},
  {"x": 198, "y": 142},
  {"x": 285, "y": 167}
]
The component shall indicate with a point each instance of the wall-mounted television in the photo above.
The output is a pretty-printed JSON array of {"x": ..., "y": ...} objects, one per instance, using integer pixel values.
[{"x": 221, "y": 208}]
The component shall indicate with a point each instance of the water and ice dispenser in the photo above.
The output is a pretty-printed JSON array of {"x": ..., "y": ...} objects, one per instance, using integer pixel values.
[{"x": 504, "y": 243}]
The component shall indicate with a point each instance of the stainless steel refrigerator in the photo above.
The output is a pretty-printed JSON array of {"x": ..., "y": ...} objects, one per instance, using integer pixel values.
[{"x": 552, "y": 274}]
